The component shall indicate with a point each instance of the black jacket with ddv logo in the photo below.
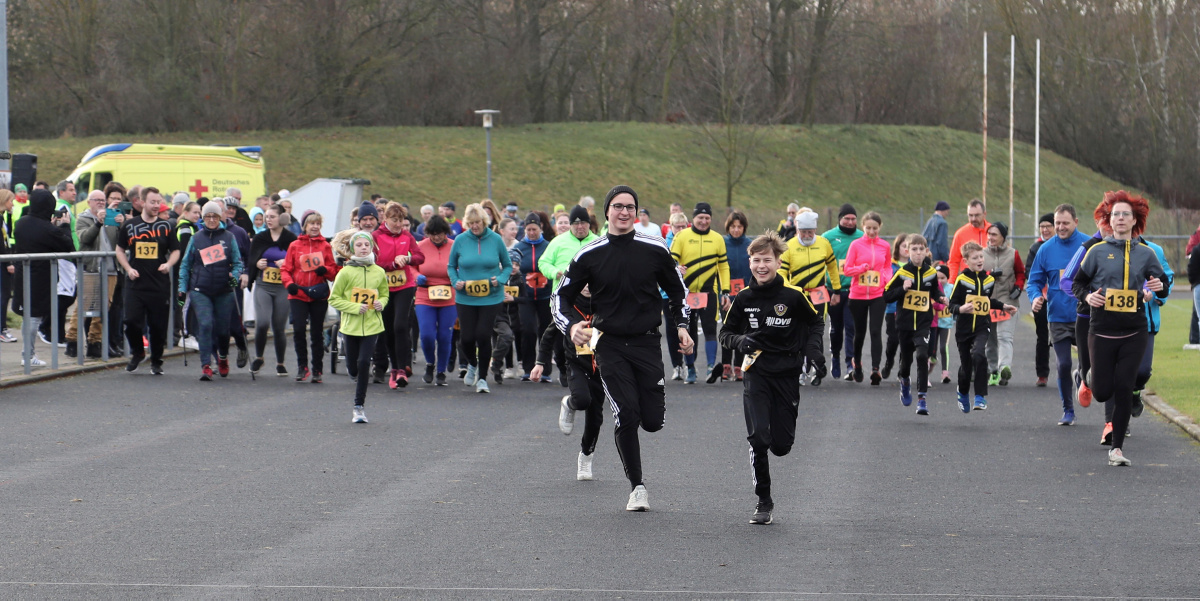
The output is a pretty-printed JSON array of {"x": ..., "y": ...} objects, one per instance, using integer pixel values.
[{"x": 780, "y": 321}]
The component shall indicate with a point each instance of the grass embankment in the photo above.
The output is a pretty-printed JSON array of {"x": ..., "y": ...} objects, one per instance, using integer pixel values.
[
  {"x": 894, "y": 170},
  {"x": 1176, "y": 375}
]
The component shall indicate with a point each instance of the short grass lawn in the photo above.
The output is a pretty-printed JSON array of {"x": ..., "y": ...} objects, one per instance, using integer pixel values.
[{"x": 1176, "y": 372}]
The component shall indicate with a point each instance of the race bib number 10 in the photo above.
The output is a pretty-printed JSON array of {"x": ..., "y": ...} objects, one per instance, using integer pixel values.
[{"x": 311, "y": 261}]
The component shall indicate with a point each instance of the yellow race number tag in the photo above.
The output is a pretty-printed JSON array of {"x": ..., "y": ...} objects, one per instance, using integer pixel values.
[
  {"x": 916, "y": 300},
  {"x": 145, "y": 250},
  {"x": 477, "y": 288},
  {"x": 868, "y": 278},
  {"x": 272, "y": 275},
  {"x": 395, "y": 279},
  {"x": 441, "y": 293},
  {"x": 980, "y": 305},
  {"x": 1121, "y": 301},
  {"x": 512, "y": 290},
  {"x": 363, "y": 296}
]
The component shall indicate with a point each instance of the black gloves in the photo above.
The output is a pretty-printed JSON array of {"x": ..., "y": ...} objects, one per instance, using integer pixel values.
[
  {"x": 321, "y": 271},
  {"x": 819, "y": 366},
  {"x": 746, "y": 344},
  {"x": 293, "y": 289},
  {"x": 1015, "y": 294},
  {"x": 181, "y": 298},
  {"x": 996, "y": 274}
]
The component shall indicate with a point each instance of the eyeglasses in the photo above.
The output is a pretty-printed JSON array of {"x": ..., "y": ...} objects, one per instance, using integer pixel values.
[
  {"x": 625, "y": 208},
  {"x": 1121, "y": 214}
]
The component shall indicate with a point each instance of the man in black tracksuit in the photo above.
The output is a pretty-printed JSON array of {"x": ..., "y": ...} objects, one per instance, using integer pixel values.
[
  {"x": 776, "y": 327},
  {"x": 914, "y": 288},
  {"x": 623, "y": 271}
]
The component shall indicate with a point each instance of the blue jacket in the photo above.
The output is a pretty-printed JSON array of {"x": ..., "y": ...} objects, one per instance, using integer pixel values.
[
  {"x": 212, "y": 279},
  {"x": 527, "y": 256},
  {"x": 1051, "y": 261},
  {"x": 1153, "y": 318},
  {"x": 936, "y": 234},
  {"x": 739, "y": 258}
]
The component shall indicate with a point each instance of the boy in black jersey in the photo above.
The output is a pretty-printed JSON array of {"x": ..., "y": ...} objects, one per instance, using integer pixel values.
[
  {"x": 776, "y": 327},
  {"x": 971, "y": 303},
  {"x": 915, "y": 289}
]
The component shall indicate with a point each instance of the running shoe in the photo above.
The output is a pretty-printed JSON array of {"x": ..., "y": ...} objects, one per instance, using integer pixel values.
[
  {"x": 242, "y": 356},
  {"x": 526, "y": 378},
  {"x": 585, "y": 467},
  {"x": 905, "y": 392},
  {"x": 359, "y": 416},
  {"x": 887, "y": 370},
  {"x": 876, "y": 378},
  {"x": 302, "y": 374},
  {"x": 1041, "y": 382},
  {"x": 922, "y": 409},
  {"x": 1005, "y": 375},
  {"x": 545, "y": 380},
  {"x": 1138, "y": 405},
  {"x": 858, "y": 374},
  {"x": 34, "y": 362},
  {"x": 945, "y": 376},
  {"x": 223, "y": 367},
  {"x": 1106, "y": 435},
  {"x": 1116, "y": 457},
  {"x": 156, "y": 370},
  {"x": 256, "y": 365},
  {"x": 206, "y": 373},
  {"x": 964, "y": 402},
  {"x": 134, "y": 362},
  {"x": 980, "y": 403},
  {"x": 93, "y": 350},
  {"x": 737, "y": 374},
  {"x": 462, "y": 372},
  {"x": 441, "y": 378},
  {"x": 280, "y": 370},
  {"x": 428, "y": 374},
  {"x": 562, "y": 378},
  {"x": 835, "y": 370},
  {"x": 677, "y": 373},
  {"x": 498, "y": 376},
  {"x": 471, "y": 376},
  {"x": 481, "y": 385},
  {"x": 691, "y": 375},
  {"x": 316, "y": 377},
  {"x": 727, "y": 372},
  {"x": 762, "y": 513},
  {"x": 993, "y": 378},
  {"x": 639, "y": 499},
  {"x": 714, "y": 374},
  {"x": 392, "y": 379},
  {"x": 1068, "y": 419},
  {"x": 401, "y": 378},
  {"x": 7, "y": 336},
  {"x": 379, "y": 374},
  {"x": 190, "y": 343},
  {"x": 1085, "y": 395},
  {"x": 566, "y": 416}
]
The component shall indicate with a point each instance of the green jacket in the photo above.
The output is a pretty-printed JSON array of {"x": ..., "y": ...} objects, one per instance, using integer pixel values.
[
  {"x": 841, "y": 243},
  {"x": 559, "y": 253},
  {"x": 354, "y": 323}
]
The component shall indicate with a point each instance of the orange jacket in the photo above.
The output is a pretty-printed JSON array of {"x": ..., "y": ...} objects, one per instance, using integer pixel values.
[{"x": 965, "y": 234}]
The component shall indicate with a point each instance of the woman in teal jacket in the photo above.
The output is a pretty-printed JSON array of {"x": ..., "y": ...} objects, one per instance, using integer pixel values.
[
  {"x": 478, "y": 266},
  {"x": 360, "y": 293}
]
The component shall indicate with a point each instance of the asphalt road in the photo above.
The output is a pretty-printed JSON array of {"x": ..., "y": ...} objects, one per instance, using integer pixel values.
[{"x": 116, "y": 485}]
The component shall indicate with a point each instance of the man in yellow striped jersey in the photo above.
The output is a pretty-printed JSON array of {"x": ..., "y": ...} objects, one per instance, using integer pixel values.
[
  {"x": 809, "y": 263},
  {"x": 704, "y": 265}
]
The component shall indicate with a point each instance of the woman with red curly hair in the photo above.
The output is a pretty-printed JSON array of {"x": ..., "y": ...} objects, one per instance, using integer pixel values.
[
  {"x": 1084, "y": 311},
  {"x": 1112, "y": 279}
]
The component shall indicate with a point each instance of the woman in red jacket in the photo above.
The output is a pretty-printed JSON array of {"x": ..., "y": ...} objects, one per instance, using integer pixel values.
[
  {"x": 397, "y": 253},
  {"x": 306, "y": 273}
]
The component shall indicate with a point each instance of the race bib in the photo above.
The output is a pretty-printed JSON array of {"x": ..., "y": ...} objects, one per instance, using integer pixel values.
[
  {"x": 748, "y": 360},
  {"x": 145, "y": 250},
  {"x": 916, "y": 300},
  {"x": 363, "y": 296},
  {"x": 585, "y": 349},
  {"x": 395, "y": 279},
  {"x": 999, "y": 315},
  {"x": 535, "y": 280},
  {"x": 980, "y": 305},
  {"x": 697, "y": 300},
  {"x": 311, "y": 261},
  {"x": 818, "y": 295},
  {"x": 842, "y": 266},
  {"x": 868, "y": 278},
  {"x": 736, "y": 286},
  {"x": 212, "y": 254},
  {"x": 512, "y": 290},
  {"x": 1120, "y": 301},
  {"x": 944, "y": 312},
  {"x": 477, "y": 288},
  {"x": 272, "y": 275},
  {"x": 441, "y": 293}
]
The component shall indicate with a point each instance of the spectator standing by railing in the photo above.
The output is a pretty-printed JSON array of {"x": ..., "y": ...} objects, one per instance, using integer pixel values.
[
  {"x": 36, "y": 234},
  {"x": 7, "y": 270}
]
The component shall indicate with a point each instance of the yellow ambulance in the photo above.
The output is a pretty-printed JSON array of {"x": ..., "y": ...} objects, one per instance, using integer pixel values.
[{"x": 198, "y": 170}]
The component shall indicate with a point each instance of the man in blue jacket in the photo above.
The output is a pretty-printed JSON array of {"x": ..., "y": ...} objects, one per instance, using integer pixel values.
[
  {"x": 937, "y": 233},
  {"x": 1042, "y": 288}
]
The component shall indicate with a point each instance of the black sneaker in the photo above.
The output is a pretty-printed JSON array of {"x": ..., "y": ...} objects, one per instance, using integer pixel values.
[
  {"x": 875, "y": 377},
  {"x": 280, "y": 371},
  {"x": 379, "y": 376},
  {"x": 858, "y": 372},
  {"x": 762, "y": 513},
  {"x": 1138, "y": 404},
  {"x": 887, "y": 369},
  {"x": 72, "y": 350},
  {"x": 134, "y": 362},
  {"x": 115, "y": 352},
  {"x": 428, "y": 374},
  {"x": 93, "y": 350},
  {"x": 462, "y": 373},
  {"x": 316, "y": 377},
  {"x": 441, "y": 378},
  {"x": 498, "y": 377},
  {"x": 156, "y": 370},
  {"x": 256, "y": 366},
  {"x": 243, "y": 356}
]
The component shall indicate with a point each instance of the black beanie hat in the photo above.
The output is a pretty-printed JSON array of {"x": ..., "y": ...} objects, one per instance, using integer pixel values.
[
  {"x": 702, "y": 208},
  {"x": 366, "y": 209},
  {"x": 619, "y": 189},
  {"x": 579, "y": 213},
  {"x": 847, "y": 209},
  {"x": 1047, "y": 218},
  {"x": 999, "y": 225},
  {"x": 532, "y": 219}
]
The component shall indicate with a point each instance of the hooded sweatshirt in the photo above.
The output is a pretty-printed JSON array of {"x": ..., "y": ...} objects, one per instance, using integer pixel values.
[{"x": 369, "y": 277}]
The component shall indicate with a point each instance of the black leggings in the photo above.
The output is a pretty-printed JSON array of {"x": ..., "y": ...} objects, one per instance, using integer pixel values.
[
  {"x": 1117, "y": 361},
  {"x": 475, "y": 325},
  {"x": 305, "y": 315},
  {"x": 1082, "y": 329},
  {"x": 359, "y": 350},
  {"x": 396, "y": 321},
  {"x": 914, "y": 346},
  {"x": 535, "y": 318},
  {"x": 865, "y": 311},
  {"x": 972, "y": 359},
  {"x": 672, "y": 335},
  {"x": 893, "y": 341}
]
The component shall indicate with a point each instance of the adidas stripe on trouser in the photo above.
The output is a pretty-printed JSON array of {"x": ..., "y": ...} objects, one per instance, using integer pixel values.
[
  {"x": 631, "y": 371},
  {"x": 770, "y": 404},
  {"x": 587, "y": 395}
]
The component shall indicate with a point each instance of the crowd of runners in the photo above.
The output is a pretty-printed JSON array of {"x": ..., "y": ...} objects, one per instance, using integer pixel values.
[{"x": 591, "y": 290}]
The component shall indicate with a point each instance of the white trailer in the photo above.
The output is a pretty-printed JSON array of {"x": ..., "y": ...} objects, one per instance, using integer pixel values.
[{"x": 333, "y": 198}]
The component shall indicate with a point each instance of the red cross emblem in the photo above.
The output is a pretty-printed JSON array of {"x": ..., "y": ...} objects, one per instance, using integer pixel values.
[{"x": 198, "y": 190}]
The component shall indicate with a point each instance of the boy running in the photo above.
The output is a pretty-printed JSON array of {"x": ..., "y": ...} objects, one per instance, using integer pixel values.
[
  {"x": 915, "y": 290},
  {"x": 972, "y": 302},
  {"x": 776, "y": 327}
]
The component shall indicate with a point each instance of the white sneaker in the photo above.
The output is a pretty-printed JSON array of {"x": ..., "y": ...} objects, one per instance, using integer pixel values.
[
  {"x": 566, "y": 416},
  {"x": 1191, "y": 347},
  {"x": 481, "y": 385},
  {"x": 678, "y": 373},
  {"x": 471, "y": 377},
  {"x": 585, "y": 467},
  {"x": 1116, "y": 457},
  {"x": 35, "y": 362},
  {"x": 639, "y": 500},
  {"x": 190, "y": 343},
  {"x": 359, "y": 416},
  {"x": 6, "y": 335}
]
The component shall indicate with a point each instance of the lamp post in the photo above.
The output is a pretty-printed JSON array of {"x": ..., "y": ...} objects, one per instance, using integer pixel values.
[{"x": 487, "y": 127}]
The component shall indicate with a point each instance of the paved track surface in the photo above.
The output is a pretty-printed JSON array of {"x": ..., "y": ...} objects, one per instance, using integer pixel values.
[{"x": 128, "y": 486}]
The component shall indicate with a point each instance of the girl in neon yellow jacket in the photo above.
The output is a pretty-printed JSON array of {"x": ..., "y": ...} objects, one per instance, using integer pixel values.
[{"x": 360, "y": 293}]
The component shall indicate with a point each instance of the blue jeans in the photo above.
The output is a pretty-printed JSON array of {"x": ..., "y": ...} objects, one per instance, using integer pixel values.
[
  {"x": 212, "y": 322},
  {"x": 437, "y": 333}
]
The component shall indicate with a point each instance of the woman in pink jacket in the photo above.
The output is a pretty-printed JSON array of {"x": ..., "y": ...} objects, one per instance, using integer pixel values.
[
  {"x": 869, "y": 265},
  {"x": 398, "y": 255}
]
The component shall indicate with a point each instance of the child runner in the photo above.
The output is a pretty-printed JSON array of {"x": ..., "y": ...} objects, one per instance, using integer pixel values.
[
  {"x": 945, "y": 322},
  {"x": 899, "y": 258},
  {"x": 914, "y": 289},
  {"x": 360, "y": 293},
  {"x": 971, "y": 301},
  {"x": 776, "y": 327}
]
